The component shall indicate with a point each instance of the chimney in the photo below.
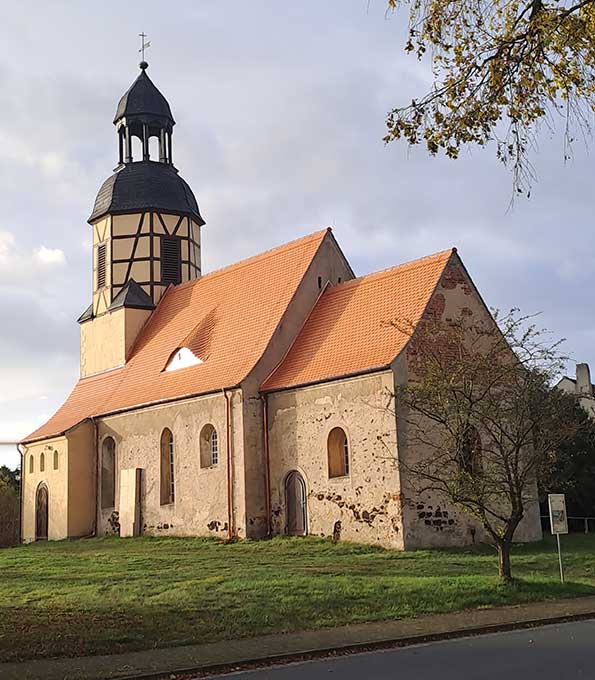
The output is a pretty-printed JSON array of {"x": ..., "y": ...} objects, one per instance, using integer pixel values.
[{"x": 583, "y": 380}]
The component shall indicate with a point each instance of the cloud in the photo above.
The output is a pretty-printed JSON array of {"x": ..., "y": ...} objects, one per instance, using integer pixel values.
[
  {"x": 49, "y": 256},
  {"x": 280, "y": 115},
  {"x": 6, "y": 247}
]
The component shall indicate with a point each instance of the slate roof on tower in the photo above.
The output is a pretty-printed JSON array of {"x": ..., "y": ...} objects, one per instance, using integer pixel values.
[
  {"x": 143, "y": 98},
  {"x": 145, "y": 185}
]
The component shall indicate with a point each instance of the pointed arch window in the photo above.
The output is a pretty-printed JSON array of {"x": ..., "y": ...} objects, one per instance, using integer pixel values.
[
  {"x": 470, "y": 452},
  {"x": 167, "y": 467},
  {"x": 56, "y": 460},
  {"x": 108, "y": 473},
  {"x": 42, "y": 462},
  {"x": 31, "y": 464}
]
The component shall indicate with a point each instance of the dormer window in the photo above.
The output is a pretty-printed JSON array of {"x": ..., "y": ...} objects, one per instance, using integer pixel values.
[{"x": 182, "y": 358}]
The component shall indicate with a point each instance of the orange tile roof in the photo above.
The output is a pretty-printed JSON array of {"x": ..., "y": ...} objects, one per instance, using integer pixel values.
[
  {"x": 348, "y": 331},
  {"x": 227, "y": 316}
]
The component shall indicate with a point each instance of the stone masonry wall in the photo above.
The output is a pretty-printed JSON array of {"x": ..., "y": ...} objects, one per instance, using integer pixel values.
[
  {"x": 430, "y": 521},
  {"x": 200, "y": 504},
  {"x": 363, "y": 506}
]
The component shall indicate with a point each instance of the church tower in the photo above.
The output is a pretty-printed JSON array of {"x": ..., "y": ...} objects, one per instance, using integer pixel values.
[{"x": 146, "y": 229}]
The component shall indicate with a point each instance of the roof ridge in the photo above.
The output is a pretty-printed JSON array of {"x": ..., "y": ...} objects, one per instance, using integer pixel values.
[
  {"x": 410, "y": 264},
  {"x": 290, "y": 245}
]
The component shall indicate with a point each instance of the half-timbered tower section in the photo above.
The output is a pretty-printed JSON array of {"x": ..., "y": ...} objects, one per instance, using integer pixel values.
[{"x": 146, "y": 229}]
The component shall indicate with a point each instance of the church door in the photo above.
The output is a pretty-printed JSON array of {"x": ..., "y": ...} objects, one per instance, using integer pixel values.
[
  {"x": 41, "y": 514},
  {"x": 295, "y": 499}
]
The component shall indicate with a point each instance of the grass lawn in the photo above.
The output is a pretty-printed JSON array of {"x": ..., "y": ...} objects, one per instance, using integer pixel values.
[{"x": 110, "y": 595}]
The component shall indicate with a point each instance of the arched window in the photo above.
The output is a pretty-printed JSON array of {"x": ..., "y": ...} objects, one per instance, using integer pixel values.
[
  {"x": 209, "y": 446},
  {"x": 42, "y": 462},
  {"x": 470, "y": 453},
  {"x": 31, "y": 464},
  {"x": 108, "y": 473},
  {"x": 167, "y": 467},
  {"x": 338, "y": 453},
  {"x": 56, "y": 460},
  {"x": 154, "y": 148}
]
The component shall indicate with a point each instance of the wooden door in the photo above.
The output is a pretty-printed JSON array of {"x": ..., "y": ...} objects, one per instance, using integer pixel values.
[
  {"x": 295, "y": 499},
  {"x": 41, "y": 514}
]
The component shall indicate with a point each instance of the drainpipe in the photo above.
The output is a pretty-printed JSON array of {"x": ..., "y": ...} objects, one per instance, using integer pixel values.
[
  {"x": 267, "y": 468},
  {"x": 96, "y": 476},
  {"x": 230, "y": 527}
]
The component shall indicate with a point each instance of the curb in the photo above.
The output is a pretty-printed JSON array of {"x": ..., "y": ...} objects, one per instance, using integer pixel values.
[{"x": 353, "y": 648}]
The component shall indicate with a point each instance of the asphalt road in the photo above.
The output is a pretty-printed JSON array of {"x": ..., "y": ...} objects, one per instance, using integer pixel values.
[{"x": 560, "y": 652}]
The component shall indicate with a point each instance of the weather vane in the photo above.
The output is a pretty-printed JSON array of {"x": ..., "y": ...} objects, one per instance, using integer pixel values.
[{"x": 144, "y": 44}]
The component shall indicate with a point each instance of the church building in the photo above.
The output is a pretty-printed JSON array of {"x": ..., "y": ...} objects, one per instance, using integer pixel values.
[{"x": 252, "y": 401}]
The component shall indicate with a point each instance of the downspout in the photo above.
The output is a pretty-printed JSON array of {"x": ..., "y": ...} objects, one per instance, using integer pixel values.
[
  {"x": 267, "y": 468},
  {"x": 21, "y": 485},
  {"x": 96, "y": 476},
  {"x": 230, "y": 528}
]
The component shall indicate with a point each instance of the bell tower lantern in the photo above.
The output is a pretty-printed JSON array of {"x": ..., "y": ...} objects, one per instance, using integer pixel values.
[{"x": 146, "y": 226}]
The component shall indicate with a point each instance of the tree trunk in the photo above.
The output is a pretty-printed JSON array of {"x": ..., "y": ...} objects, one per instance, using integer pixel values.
[{"x": 504, "y": 562}]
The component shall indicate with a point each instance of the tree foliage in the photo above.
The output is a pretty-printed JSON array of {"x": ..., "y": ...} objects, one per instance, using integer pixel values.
[
  {"x": 9, "y": 479},
  {"x": 574, "y": 470},
  {"x": 9, "y": 505},
  {"x": 482, "y": 422},
  {"x": 502, "y": 69}
]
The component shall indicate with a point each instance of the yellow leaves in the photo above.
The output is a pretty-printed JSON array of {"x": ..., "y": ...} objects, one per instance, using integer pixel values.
[{"x": 498, "y": 65}]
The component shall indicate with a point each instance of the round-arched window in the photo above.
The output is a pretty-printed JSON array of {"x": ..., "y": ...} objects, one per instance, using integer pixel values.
[
  {"x": 209, "y": 446},
  {"x": 108, "y": 473},
  {"x": 167, "y": 467},
  {"x": 338, "y": 453}
]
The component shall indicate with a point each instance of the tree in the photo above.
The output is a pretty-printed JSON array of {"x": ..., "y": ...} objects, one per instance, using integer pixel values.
[
  {"x": 502, "y": 69},
  {"x": 9, "y": 505},
  {"x": 481, "y": 419},
  {"x": 574, "y": 470},
  {"x": 10, "y": 479}
]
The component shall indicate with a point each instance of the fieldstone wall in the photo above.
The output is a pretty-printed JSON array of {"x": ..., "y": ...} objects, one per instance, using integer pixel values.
[
  {"x": 429, "y": 520},
  {"x": 200, "y": 502},
  {"x": 363, "y": 506}
]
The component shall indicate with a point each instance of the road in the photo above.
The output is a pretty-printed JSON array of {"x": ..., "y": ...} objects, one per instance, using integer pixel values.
[{"x": 559, "y": 652}]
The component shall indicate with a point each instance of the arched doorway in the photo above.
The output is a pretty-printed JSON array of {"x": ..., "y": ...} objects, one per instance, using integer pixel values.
[
  {"x": 295, "y": 503},
  {"x": 41, "y": 513}
]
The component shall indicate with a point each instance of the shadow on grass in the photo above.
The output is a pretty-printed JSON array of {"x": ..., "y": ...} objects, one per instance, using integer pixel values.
[{"x": 40, "y": 632}]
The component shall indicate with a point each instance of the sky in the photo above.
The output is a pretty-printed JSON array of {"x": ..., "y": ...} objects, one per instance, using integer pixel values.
[{"x": 280, "y": 111}]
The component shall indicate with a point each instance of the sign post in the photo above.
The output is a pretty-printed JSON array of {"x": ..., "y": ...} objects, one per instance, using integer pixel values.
[{"x": 558, "y": 522}]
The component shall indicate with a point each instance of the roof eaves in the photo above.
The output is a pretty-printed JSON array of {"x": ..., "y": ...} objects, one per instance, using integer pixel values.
[{"x": 328, "y": 379}]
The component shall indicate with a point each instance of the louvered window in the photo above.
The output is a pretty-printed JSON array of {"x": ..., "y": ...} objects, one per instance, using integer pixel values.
[
  {"x": 101, "y": 250},
  {"x": 171, "y": 269}
]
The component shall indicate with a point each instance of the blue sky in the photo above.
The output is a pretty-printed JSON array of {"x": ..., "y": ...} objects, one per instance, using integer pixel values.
[{"x": 280, "y": 110}]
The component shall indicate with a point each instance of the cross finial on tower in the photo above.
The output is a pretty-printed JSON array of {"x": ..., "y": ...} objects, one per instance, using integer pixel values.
[{"x": 144, "y": 44}]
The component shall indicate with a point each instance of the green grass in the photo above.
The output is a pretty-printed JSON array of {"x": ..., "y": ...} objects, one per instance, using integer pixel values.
[{"x": 111, "y": 595}]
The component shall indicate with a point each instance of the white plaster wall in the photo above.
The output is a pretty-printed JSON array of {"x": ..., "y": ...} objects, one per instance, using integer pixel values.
[{"x": 57, "y": 483}]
